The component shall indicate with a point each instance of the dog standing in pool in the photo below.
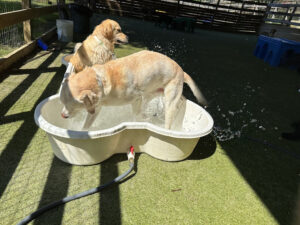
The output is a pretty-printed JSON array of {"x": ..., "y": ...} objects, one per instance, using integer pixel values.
[{"x": 126, "y": 80}]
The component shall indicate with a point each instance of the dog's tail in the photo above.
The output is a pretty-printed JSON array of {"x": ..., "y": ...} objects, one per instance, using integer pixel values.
[
  {"x": 196, "y": 91},
  {"x": 77, "y": 46},
  {"x": 67, "y": 58}
]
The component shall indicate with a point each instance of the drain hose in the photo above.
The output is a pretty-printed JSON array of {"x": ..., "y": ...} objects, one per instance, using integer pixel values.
[{"x": 40, "y": 211}]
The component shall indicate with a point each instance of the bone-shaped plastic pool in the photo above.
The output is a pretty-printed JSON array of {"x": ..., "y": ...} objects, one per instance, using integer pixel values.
[{"x": 116, "y": 128}]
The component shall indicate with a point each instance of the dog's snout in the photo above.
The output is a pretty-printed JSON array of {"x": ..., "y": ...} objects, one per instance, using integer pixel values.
[{"x": 64, "y": 116}]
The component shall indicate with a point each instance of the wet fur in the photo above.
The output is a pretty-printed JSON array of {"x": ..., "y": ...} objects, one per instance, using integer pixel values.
[
  {"x": 92, "y": 52},
  {"x": 126, "y": 80}
]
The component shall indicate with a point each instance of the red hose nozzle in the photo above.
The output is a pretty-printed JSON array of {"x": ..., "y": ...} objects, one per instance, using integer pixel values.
[
  {"x": 131, "y": 149},
  {"x": 130, "y": 154}
]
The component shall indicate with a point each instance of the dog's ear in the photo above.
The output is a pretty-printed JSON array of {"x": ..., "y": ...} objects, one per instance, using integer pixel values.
[
  {"x": 107, "y": 30},
  {"x": 89, "y": 99}
]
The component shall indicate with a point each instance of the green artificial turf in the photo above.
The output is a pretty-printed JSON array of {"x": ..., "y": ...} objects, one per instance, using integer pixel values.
[{"x": 243, "y": 173}]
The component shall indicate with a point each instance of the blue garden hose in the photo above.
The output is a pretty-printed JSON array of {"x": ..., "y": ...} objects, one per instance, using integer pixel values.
[{"x": 40, "y": 211}]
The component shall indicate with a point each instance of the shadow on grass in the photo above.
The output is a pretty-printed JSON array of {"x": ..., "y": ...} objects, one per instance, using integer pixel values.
[
  {"x": 10, "y": 100},
  {"x": 205, "y": 148},
  {"x": 271, "y": 174},
  {"x": 110, "y": 211},
  {"x": 11, "y": 155},
  {"x": 229, "y": 75},
  {"x": 58, "y": 176}
]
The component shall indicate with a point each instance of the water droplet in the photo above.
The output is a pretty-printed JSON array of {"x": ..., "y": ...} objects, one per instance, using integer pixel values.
[
  {"x": 262, "y": 128},
  {"x": 231, "y": 113}
]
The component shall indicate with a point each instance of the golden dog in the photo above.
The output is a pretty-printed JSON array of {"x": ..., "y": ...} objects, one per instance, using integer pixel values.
[
  {"x": 98, "y": 48},
  {"x": 125, "y": 80}
]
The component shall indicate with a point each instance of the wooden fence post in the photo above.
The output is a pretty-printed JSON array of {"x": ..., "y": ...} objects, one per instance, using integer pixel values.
[
  {"x": 241, "y": 11},
  {"x": 61, "y": 3},
  {"x": 177, "y": 9},
  {"x": 92, "y": 5},
  {"x": 26, "y": 4},
  {"x": 293, "y": 12},
  {"x": 214, "y": 14}
]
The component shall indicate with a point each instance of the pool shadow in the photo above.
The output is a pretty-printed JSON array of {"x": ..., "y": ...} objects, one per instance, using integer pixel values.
[{"x": 205, "y": 148}]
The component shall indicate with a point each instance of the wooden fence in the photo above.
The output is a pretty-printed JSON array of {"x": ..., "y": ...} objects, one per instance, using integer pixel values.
[
  {"x": 233, "y": 15},
  {"x": 25, "y": 15},
  {"x": 283, "y": 14}
]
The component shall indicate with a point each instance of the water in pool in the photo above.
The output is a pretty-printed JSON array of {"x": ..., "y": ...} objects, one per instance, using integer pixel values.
[{"x": 152, "y": 112}]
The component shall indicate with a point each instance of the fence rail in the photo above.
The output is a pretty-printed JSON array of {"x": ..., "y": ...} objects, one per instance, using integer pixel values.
[
  {"x": 14, "y": 17},
  {"x": 283, "y": 14},
  {"x": 17, "y": 18},
  {"x": 243, "y": 16}
]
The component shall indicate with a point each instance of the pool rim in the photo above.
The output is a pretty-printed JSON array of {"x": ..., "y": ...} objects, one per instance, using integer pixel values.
[{"x": 73, "y": 134}]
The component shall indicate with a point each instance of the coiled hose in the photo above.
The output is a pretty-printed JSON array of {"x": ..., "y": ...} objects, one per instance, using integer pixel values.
[{"x": 40, "y": 211}]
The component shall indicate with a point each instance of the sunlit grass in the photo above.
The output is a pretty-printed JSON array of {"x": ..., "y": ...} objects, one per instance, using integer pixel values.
[
  {"x": 26, "y": 102},
  {"x": 5, "y": 49},
  {"x": 9, "y": 84},
  {"x": 124, "y": 50},
  {"x": 231, "y": 182}
]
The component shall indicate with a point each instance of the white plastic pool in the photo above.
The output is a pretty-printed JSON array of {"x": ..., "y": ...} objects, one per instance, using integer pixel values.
[{"x": 116, "y": 129}]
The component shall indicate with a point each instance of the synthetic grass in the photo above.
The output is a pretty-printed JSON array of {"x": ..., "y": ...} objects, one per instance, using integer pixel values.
[{"x": 231, "y": 182}]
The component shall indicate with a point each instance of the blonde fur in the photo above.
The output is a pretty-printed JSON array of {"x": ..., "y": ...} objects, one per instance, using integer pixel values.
[
  {"x": 196, "y": 91},
  {"x": 144, "y": 74},
  {"x": 98, "y": 48}
]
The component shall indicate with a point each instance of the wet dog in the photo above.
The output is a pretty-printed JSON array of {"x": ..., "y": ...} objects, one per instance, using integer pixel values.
[
  {"x": 126, "y": 80},
  {"x": 98, "y": 48}
]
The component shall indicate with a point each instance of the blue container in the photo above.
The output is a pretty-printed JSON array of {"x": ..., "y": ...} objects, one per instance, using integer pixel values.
[
  {"x": 275, "y": 51},
  {"x": 42, "y": 45}
]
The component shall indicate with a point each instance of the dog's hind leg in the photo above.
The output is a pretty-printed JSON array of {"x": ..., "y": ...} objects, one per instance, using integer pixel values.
[{"x": 173, "y": 92}]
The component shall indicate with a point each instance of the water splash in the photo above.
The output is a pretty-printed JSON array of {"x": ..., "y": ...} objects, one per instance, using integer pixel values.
[
  {"x": 173, "y": 49},
  {"x": 231, "y": 123}
]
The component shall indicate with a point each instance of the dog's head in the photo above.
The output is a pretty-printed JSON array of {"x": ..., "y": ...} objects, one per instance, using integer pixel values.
[
  {"x": 111, "y": 30},
  {"x": 79, "y": 91}
]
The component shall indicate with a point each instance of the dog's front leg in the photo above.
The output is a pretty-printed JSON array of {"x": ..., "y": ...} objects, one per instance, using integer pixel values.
[
  {"x": 90, "y": 118},
  {"x": 136, "y": 107}
]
